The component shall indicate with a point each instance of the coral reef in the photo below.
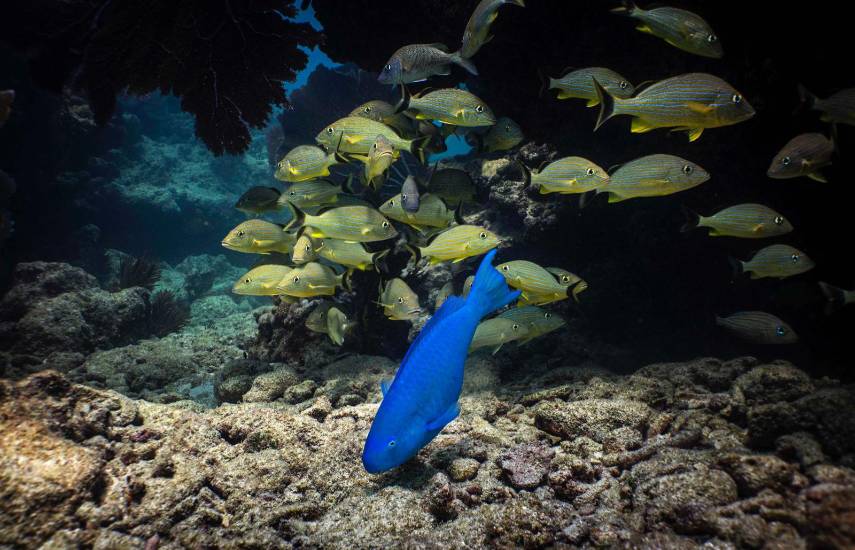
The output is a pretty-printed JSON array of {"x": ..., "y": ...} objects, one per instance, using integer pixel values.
[
  {"x": 227, "y": 61},
  {"x": 143, "y": 272},
  {"x": 166, "y": 313},
  {"x": 678, "y": 455}
]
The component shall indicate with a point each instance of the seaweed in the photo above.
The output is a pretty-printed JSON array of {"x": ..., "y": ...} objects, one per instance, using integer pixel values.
[
  {"x": 227, "y": 60},
  {"x": 143, "y": 272},
  {"x": 167, "y": 314}
]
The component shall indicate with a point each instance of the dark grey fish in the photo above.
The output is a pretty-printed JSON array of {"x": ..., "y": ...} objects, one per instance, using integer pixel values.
[
  {"x": 258, "y": 200},
  {"x": 410, "y": 195},
  {"x": 417, "y": 62},
  {"x": 838, "y": 107},
  {"x": 758, "y": 327},
  {"x": 680, "y": 28},
  {"x": 803, "y": 155}
]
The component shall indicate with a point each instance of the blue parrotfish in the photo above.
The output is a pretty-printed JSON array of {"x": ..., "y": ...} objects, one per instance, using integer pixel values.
[{"x": 422, "y": 398}]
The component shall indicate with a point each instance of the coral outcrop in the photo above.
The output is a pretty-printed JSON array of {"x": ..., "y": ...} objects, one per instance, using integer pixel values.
[{"x": 667, "y": 457}]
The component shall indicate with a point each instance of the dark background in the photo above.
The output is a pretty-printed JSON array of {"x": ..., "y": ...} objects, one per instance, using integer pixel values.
[{"x": 653, "y": 290}]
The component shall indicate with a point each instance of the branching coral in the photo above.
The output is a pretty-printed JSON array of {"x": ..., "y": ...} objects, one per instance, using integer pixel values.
[
  {"x": 142, "y": 272},
  {"x": 226, "y": 59},
  {"x": 167, "y": 314}
]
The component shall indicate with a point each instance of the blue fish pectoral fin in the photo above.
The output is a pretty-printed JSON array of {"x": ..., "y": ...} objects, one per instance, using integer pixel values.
[
  {"x": 439, "y": 422},
  {"x": 384, "y": 386}
]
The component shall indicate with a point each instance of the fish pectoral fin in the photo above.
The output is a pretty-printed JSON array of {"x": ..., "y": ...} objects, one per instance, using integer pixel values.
[
  {"x": 644, "y": 29},
  {"x": 293, "y": 170},
  {"x": 457, "y": 260},
  {"x": 817, "y": 176},
  {"x": 258, "y": 242},
  {"x": 564, "y": 94},
  {"x": 440, "y": 422},
  {"x": 444, "y": 70},
  {"x": 384, "y": 386},
  {"x": 757, "y": 228},
  {"x": 701, "y": 108},
  {"x": 592, "y": 102},
  {"x": 495, "y": 351},
  {"x": 353, "y": 139},
  {"x": 639, "y": 126},
  {"x": 365, "y": 230},
  {"x": 695, "y": 133}
]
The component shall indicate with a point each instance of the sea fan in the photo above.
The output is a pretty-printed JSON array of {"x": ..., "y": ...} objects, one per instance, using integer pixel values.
[
  {"x": 167, "y": 314},
  {"x": 142, "y": 272}
]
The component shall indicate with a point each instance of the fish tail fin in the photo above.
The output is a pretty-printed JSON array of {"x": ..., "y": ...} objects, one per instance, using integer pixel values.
[
  {"x": 404, "y": 102},
  {"x": 526, "y": 172},
  {"x": 417, "y": 148},
  {"x": 458, "y": 214},
  {"x": 489, "y": 290},
  {"x": 345, "y": 280},
  {"x": 607, "y": 104},
  {"x": 458, "y": 59},
  {"x": 627, "y": 8},
  {"x": 692, "y": 220},
  {"x": 737, "y": 266},
  {"x": 585, "y": 198},
  {"x": 836, "y": 297},
  {"x": 415, "y": 253},
  {"x": 378, "y": 259},
  {"x": 719, "y": 321},
  {"x": 298, "y": 217},
  {"x": 806, "y": 98},
  {"x": 347, "y": 186}
]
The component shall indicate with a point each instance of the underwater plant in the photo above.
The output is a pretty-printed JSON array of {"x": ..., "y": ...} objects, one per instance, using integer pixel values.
[
  {"x": 167, "y": 314},
  {"x": 227, "y": 61},
  {"x": 142, "y": 271}
]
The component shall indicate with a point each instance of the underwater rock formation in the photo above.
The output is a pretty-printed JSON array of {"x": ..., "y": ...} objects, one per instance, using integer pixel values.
[
  {"x": 666, "y": 457},
  {"x": 227, "y": 61}
]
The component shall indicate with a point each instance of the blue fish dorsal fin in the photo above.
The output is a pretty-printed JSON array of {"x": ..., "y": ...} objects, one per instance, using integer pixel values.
[
  {"x": 439, "y": 422},
  {"x": 384, "y": 386}
]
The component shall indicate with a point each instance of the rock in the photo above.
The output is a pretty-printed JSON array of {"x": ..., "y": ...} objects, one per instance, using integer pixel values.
[
  {"x": 300, "y": 392},
  {"x": 320, "y": 409},
  {"x": 756, "y": 473},
  {"x": 800, "y": 446},
  {"x": 685, "y": 500},
  {"x": 462, "y": 469},
  {"x": 772, "y": 383},
  {"x": 236, "y": 378},
  {"x": 525, "y": 466},
  {"x": 831, "y": 512},
  {"x": 593, "y": 418},
  {"x": 270, "y": 386}
]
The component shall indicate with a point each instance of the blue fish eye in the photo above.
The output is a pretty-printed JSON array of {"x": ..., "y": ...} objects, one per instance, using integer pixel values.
[
  {"x": 780, "y": 331},
  {"x": 392, "y": 443}
]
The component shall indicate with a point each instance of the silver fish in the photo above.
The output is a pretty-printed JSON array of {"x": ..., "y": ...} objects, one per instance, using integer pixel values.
[
  {"x": 410, "y": 195},
  {"x": 418, "y": 62}
]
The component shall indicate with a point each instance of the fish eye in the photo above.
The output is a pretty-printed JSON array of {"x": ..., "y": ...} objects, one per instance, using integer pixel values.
[
  {"x": 795, "y": 258},
  {"x": 786, "y": 161},
  {"x": 736, "y": 98},
  {"x": 565, "y": 279},
  {"x": 403, "y": 197},
  {"x": 385, "y": 225},
  {"x": 515, "y": 327},
  {"x": 392, "y": 443},
  {"x": 330, "y": 130},
  {"x": 547, "y": 315},
  {"x": 483, "y": 235},
  {"x": 247, "y": 280},
  {"x": 391, "y": 202},
  {"x": 623, "y": 84},
  {"x": 504, "y": 267},
  {"x": 241, "y": 233},
  {"x": 508, "y": 128},
  {"x": 479, "y": 108},
  {"x": 779, "y": 220},
  {"x": 368, "y": 110},
  {"x": 308, "y": 247},
  {"x": 296, "y": 279},
  {"x": 401, "y": 300},
  {"x": 780, "y": 331},
  {"x": 590, "y": 171},
  {"x": 687, "y": 169},
  {"x": 292, "y": 193},
  {"x": 712, "y": 38}
]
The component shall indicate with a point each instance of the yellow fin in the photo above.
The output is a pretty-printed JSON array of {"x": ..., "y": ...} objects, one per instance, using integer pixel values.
[
  {"x": 592, "y": 102},
  {"x": 695, "y": 133},
  {"x": 816, "y": 176},
  {"x": 353, "y": 139},
  {"x": 543, "y": 190},
  {"x": 259, "y": 243},
  {"x": 293, "y": 170},
  {"x": 564, "y": 94},
  {"x": 639, "y": 126},
  {"x": 644, "y": 28},
  {"x": 701, "y": 108},
  {"x": 758, "y": 228},
  {"x": 615, "y": 198}
]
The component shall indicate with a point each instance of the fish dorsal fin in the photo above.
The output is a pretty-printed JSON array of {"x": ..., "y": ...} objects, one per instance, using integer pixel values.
[
  {"x": 644, "y": 85},
  {"x": 277, "y": 191},
  {"x": 614, "y": 167},
  {"x": 451, "y": 305},
  {"x": 439, "y": 46},
  {"x": 442, "y": 420}
]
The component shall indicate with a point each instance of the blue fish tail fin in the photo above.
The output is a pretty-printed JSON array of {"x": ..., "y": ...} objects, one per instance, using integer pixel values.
[{"x": 489, "y": 291}]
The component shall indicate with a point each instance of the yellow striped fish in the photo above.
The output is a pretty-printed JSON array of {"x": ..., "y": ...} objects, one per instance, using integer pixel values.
[
  {"x": 477, "y": 32},
  {"x": 758, "y": 327},
  {"x": 680, "y": 28},
  {"x": 432, "y": 211},
  {"x": 539, "y": 321},
  {"x": 538, "y": 285},
  {"x": 317, "y": 319},
  {"x": 653, "y": 176},
  {"x": 746, "y": 221},
  {"x": 348, "y": 223},
  {"x": 398, "y": 300},
  {"x": 259, "y": 237},
  {"x": 502, "y": 136},
  {"x": 496, "y": 332},
  {"x": 567, "y": 175},
  {"x": 778, "y": 261},
  {"x": 457, "y": 244},
  {"x": 312, "y": 279},
  {"x": 570, "y": 280},
  {"x": 261, "y": 280},
  {"x": 381, "y": 111},
  {"x": 358, "y": 134},
  {"x": 580, "y": 84},
  {"x": 304, "y": 250},
  {"x": 804, "y": 155},
  {"x": 306, "y": 162},
  {"x": 467, "y": 285},
  {"x": 449, "y": 106},
  {"x": 443, "y": 294},
  {"x": 349, "y": 254},
  {"x": 311, "y": 193},
  {"x": 337, "y": 325},
  {"x": 690, "y": 102}
]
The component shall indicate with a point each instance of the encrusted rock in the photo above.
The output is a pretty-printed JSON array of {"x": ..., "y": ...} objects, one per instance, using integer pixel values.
[
  {"x": 462, "y": 469},
  {"x": 525, "y": 466}
]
